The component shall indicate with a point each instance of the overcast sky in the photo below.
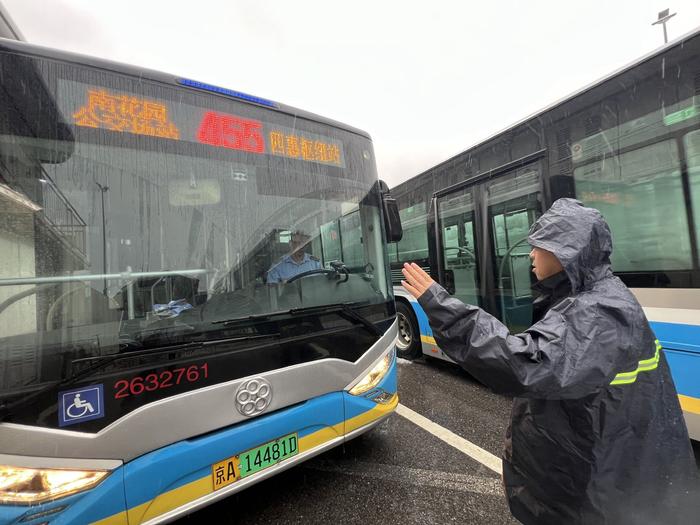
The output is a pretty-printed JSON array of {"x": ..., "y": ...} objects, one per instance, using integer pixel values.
[{"x": 426, "y": 79}]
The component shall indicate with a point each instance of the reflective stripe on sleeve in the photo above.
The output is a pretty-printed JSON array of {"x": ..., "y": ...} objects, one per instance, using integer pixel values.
[{"x": 647, "y": 365}]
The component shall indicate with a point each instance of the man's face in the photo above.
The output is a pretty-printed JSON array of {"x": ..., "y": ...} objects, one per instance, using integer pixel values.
[
  {"x": 296, "y": 245},
  {"x": 544, "y": 263},
  {"x": 297, "y": 242}
]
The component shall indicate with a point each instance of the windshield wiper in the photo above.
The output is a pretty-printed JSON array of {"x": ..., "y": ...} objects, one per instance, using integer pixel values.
[
  {"x": 345, "y": 310},
  {"x": 348, "y": 312},
  {"x": 140, "y": 338}
]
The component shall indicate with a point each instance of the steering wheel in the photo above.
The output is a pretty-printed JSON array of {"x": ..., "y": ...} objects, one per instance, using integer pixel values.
[{"x": 310, "y": 272}]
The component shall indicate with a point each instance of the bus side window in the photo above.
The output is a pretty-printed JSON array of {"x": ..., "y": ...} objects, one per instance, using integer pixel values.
[
  {"x": 692, "y": 159},
  {"x": 640, "y": 194},
  {"x": 414, "y": 244}
]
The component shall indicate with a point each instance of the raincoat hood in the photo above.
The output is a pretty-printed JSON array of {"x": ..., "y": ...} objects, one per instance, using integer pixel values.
[{"x": 579, "y": 237}]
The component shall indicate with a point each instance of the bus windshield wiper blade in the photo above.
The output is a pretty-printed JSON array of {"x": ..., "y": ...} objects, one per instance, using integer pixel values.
[
  {"x": 345, "y": 310},
  {"x": 278, "y": 313},
  {"x": 349, "y": 313},
  {"x": 140, "y": 338},
  {"x": 252, "y": 317}
]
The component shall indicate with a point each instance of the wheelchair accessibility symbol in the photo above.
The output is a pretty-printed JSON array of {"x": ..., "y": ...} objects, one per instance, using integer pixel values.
[{"x": 76, "y": 406}]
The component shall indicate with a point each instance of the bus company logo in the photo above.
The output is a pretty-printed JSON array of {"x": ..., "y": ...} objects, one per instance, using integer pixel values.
[
  {"x": 78, "y": 405},
  {"x": 253, "y": 397}
]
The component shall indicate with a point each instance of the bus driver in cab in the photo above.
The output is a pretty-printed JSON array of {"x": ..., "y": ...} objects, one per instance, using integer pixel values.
[{"x": 296, "y": 262}]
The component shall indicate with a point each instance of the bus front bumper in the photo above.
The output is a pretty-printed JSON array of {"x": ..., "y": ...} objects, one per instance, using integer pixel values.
[{"x": 165, "y": 484}]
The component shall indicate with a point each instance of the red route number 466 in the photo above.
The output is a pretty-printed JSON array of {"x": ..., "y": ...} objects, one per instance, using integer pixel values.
[
  {"x": 228, "y": 131},
  {"x": 156, "y": 381}
]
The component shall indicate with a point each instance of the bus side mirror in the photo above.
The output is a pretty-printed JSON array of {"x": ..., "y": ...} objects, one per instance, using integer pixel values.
[{"x": 392, "y": 220}]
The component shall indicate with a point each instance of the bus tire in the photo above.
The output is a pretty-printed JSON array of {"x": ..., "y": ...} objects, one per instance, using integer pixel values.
[{"x": 408, "y": 345}]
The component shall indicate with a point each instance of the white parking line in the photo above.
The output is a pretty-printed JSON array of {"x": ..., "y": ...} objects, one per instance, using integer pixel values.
[{"x": 467, "y": 447}]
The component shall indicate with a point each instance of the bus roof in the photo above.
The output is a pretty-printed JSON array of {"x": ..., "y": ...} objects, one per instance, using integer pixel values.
[
  {"x": 149, "y": 74},
  {"x": 677, "y": 42}
]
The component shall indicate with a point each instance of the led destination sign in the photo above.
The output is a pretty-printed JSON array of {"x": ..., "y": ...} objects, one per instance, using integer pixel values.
[
  {"x": 118, "y": 112},
  {"x": 101, "y": 108},
  {"x": 228, "y": 131}
]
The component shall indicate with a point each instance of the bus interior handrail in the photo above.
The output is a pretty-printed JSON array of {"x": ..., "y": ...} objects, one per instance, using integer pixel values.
[{"x": 96, "y": 277}]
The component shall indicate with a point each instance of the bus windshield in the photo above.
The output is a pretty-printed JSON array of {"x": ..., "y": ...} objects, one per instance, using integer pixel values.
[{"x": 136, "y": 216}]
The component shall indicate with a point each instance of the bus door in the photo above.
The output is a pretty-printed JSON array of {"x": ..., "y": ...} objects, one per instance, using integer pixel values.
[
  {"x": 484, "y": 254},
  {"x": 459, "y": 269},
  {"x": 513, "y": 205}
]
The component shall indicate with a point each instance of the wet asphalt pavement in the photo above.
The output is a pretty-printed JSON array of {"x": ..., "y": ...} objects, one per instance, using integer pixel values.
[{"x": 397, "y": 473}]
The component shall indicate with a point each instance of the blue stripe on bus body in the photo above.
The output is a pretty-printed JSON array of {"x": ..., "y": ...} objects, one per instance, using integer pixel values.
[
  {"x": 685, "y": 369},
  {"x": 423, "y": 324},
  {"x": 681, "y": 344},
  {"x": 676, "y": 336},
  {"x": 11, "y": 513},
  {"x": 158, "y": 472},
  {"x": 186, "y": 461}
]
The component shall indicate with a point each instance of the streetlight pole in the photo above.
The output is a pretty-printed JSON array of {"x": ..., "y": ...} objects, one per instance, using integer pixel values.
[
  {"x": 103, "y": 190},
  {"x": 663, "y": 18}
]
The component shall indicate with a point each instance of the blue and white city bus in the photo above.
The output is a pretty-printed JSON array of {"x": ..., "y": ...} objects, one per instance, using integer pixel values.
[
  {"x": 148, "y": 366},
  {"x": 628, "y": 145}
]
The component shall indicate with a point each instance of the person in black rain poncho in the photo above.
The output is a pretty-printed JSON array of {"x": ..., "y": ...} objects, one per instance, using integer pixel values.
[{"x": 597, "y": 435}]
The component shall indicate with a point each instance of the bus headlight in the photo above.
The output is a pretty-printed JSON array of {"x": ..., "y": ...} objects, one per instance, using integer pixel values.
[
  {"x": 33, "y": 485},
  {"x": 374, "y": 376}
]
